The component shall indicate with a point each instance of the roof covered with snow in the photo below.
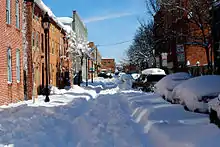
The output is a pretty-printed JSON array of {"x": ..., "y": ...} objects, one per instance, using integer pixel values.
[
  {"x": 65, "y": 19},
  {"x": 45, "y": 8}
]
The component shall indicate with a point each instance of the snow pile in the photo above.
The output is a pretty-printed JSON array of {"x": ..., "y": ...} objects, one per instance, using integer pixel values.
[
  {"x": 105, "y": 121},
  {"x": 100, "y": 83},
  {"x": 115, "y": 118},
  {"x": 191, "y": 91},
  {"x": 54, "y": 90},
  {"x": 125, "y": 81},
  {"x": 169, "y": 125},
  {"x": 58, "y": 98},
  {"x": 165, "y": 86}
]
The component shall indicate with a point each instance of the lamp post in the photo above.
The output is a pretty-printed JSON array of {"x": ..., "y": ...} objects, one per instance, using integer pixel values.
[{"x": 46, "y": 26}]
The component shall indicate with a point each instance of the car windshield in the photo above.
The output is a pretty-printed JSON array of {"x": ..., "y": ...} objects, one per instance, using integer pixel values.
[{"x": 154, "y": 78}]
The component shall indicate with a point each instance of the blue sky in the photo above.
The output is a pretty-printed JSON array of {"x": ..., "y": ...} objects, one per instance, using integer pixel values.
[{"x": 108, "y": 21}]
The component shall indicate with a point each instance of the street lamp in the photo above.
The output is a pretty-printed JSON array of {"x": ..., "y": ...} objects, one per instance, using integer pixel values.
[{"x": 46, "y": 27}]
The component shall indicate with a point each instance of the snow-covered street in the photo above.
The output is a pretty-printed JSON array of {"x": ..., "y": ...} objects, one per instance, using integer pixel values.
[{"x": 102, "y": 115}]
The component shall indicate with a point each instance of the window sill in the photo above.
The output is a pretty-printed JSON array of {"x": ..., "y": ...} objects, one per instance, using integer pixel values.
[
  {"x": 9, "y": 83},
  {"x": 18, "y": 29},
  {"x": 8, "y": 25}
]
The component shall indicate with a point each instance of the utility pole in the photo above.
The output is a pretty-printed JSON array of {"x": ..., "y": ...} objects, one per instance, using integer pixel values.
[
  {"x": 92, "y": 71},
  {"x": 96, "y": 52},
  {"x": 86, "y": 71}
]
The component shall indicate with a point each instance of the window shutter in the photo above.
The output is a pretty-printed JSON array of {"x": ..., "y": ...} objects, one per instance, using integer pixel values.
[
  {"x": 18, "y": 65},
  {"x": 9, "y": 66},
  {"x": 17, "y": 15},
  {"x": 8, "y": 11}
]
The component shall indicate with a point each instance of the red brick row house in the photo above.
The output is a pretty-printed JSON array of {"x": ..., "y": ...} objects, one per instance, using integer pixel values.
[
  {"x": 22, "y": 44},
  {"x": 175, "y": 34},
  {"x": 108, "y": 65},
  {"x": 59, "y": 65},
  {"x": 11, "y": 64}
]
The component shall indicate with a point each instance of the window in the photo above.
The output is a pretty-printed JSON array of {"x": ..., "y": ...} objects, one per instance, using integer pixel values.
[
  {"x": 52, "y": 47},
  {"x": 18, "y": 65},
  {"x": 37, "y": 39},
  {"x": 17, "y": 14},
  {"x": 33, "y": 37},
  {"x": 8, "y": 11},
  {"x": 9, "y": 66},
  {"x": 42, "y": 43},
  {"x": 61, "y": 39}
]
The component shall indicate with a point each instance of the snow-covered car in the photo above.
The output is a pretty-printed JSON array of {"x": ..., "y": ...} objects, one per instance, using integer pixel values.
[
  {"x": 166, "y": 85},
  {"x": 195, "y": 93},
  {"x": 148, "y": 79}
]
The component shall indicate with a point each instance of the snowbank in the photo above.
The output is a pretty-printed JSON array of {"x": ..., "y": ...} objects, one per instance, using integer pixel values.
[
  {"x": 104, "y": 122},
  {"x": 58, "y": 98},
  {"x": 169, "y": 125},
  {"x": 100, "y": 83},
  {"x": 192, "y": 91},
  {"x": 115, "y": 118},
  {"x": 125, "y": 82}
]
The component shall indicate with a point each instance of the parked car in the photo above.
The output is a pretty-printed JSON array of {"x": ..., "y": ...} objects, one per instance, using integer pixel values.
[
  {"x": 166, "y": 85},
  {"x": 214, "y": 110},
  {"x": 195, "y": 94},
  {"x": 148, "y": 79},
  {"x": 104, "y": 75}
]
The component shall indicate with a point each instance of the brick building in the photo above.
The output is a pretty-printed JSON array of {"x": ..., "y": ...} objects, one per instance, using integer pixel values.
[
  {"x": 58, "y": 57},
  {"x": 176, "y": 35},
  {"x": 108, "y": 65},
  {"x": 95, "y": 62},
  {"x": 11, "y": 64}
]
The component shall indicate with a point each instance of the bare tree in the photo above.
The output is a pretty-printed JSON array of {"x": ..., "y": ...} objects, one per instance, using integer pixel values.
[
  {"x": 193, "y": 14},
  {"x": 140, "y": 52}
]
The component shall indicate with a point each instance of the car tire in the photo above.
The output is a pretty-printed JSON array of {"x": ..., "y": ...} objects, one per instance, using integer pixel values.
[
  {"x": 186, "y": 108},
  {"x": 212, "y": 116}
]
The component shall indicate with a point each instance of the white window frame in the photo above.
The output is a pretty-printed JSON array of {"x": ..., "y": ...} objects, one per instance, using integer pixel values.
[
  {"x": 18, "y": 66},
  {"x": 9, "y": 65},
  {"x": 17, "y": 14},
  {"x": 8, "y": 11}
]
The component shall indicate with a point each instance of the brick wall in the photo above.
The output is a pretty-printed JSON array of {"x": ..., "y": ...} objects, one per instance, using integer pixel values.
[
  {"x": 108, "y": 64},
  {"x": 10, "y": 37},
  {"x": 36, "y": 51},
  {"x": 196, "y": 53}
]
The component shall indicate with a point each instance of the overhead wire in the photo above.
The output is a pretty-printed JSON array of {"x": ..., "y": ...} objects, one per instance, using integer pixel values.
[{"x": 118, "y": 43}]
